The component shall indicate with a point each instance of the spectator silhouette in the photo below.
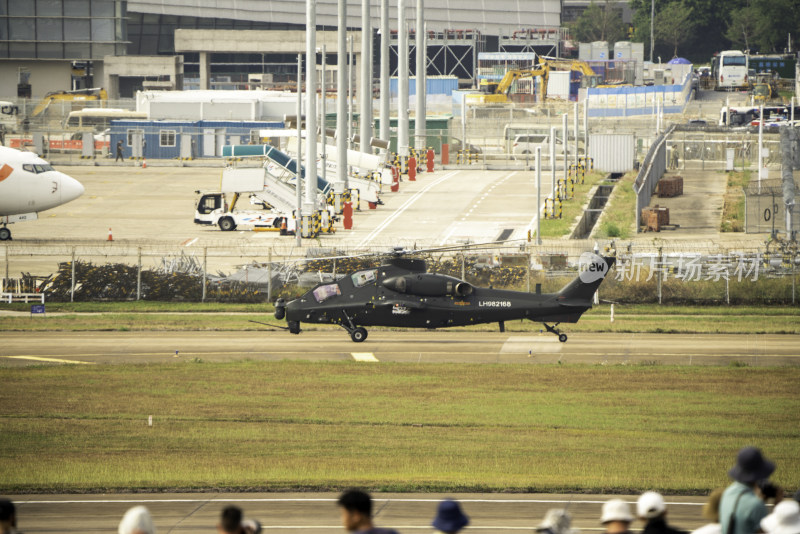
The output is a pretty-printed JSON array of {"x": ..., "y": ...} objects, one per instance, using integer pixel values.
[
  {"x": 651, "y": 508},
  {"x": 556, "y": 522},
  {"x": 784, "y": 519},
  {"x": 741, "y": 509},
  {"x": 711, "y": 512},
  {"x": 616, "y": 517},
  {"x": 449, "y": 517},
  {"x": 8, "y": 517},
  {"x": 137, "y": 520},
  {"x": 230, "y": 522},
  {"x": 356, "y": 507}
]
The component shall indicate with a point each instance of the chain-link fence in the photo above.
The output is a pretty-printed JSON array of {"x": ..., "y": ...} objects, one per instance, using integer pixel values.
[
  {"x": 655, "y": 271},
  {"x": 721, "y": 150}
]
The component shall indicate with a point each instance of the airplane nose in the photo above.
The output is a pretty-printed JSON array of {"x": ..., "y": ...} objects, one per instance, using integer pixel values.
[{"x": 70, "y": 188}]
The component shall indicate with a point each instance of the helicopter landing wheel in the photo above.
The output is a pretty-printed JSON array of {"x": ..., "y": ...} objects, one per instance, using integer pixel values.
[
  {"x": 358, "y": 334},
  {"x": 562, "y": 338},
  {"x": 294, "y": 327}
]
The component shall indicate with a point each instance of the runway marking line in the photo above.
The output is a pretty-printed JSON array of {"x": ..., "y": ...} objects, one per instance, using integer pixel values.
[
  {"x": 324, "y": 499},
  {"x": 364, "y": 357},
  {"x": 49, "y": 360},
  {"x": 408, "y": 203}
]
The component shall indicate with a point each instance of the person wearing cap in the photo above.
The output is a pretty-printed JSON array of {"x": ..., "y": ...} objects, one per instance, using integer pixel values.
[
  {"x": 616, "y": 517},
  {"x": 137, "y": 520},
  {"x": 449, "y": 517},
  {"x": 741, "y": 509},
  {"x": 356, "y": 507},
  {"x": 784, "y": 519},
  {"x": 651, "y": 508},
  {"x": 556, "y": 521}
]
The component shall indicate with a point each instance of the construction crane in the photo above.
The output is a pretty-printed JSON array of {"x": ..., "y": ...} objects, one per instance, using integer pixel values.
[{"x": 96, "y": 93}]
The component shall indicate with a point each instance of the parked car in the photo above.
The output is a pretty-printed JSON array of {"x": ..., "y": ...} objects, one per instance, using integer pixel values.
[
  {"x": 455, "y": 146},
  {"x": 525, "y": 144}
]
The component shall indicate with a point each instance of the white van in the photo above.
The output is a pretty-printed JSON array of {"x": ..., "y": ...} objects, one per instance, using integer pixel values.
[{"x": 525, "y": 144}]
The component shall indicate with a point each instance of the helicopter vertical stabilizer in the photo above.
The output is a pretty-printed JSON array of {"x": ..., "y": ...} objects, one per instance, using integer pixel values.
[{"x": 593, "y": 270}]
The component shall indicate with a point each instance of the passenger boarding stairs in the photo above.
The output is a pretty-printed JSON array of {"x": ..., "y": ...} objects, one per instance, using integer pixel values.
[{"x": 275, "y": 182}]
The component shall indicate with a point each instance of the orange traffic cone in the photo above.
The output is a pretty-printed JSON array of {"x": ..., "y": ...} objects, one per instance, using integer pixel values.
[
  {"x": 110, "y": 237},
  {"x": 144, "y": 163}
]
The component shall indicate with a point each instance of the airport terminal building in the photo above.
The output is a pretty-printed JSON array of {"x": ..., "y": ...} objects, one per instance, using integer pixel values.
[{"x": 128, "y": 45}]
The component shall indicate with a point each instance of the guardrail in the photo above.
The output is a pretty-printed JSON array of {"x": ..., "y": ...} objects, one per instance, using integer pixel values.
[
  {"x": 21, "y": 297},
  {"x": 652, "y": 169}
]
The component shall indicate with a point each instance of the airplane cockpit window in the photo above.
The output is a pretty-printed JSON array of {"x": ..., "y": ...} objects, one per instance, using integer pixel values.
[
  {"x": 323, "y": 293},
  {"x": 36, "y": 169},
  {"x": 362, "y": 278}
]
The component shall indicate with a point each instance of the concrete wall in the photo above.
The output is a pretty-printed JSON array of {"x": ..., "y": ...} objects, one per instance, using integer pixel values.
[
  {"x": 46, "y": 76},
  {"x": 256, "y": 41},
  {"x": 115, "y": 67},
  {"x": 487, "y": 17}
]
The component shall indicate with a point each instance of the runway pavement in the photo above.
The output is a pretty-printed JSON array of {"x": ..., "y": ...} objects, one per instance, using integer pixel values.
[
  {"x": 155, "y": 207},
  {"x": 26, "y": 348},
  {"x": 316, "y": 513}
]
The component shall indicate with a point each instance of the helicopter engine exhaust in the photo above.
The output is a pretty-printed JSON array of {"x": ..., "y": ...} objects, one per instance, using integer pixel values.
[{"x": 462, "y": 289}]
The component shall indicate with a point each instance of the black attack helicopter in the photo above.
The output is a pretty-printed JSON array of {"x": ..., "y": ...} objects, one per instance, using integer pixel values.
[{"x": 401, "y": 293}]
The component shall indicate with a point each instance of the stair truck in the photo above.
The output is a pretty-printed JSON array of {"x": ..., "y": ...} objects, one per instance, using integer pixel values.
[{"x": 269, "y": 189}]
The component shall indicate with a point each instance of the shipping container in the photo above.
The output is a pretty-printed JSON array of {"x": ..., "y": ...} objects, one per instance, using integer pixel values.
[{"x": 612, "y": 152}]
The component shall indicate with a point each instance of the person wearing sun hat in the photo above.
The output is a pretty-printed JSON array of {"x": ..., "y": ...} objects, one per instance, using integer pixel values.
[
  {"x": 449, "y": 517},
  {"x": 741, "y": 509},
  {"x": 784, "y": 519},
  {"x": 616, "y": 517}
]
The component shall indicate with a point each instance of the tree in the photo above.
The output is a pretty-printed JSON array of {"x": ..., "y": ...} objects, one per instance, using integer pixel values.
[
  {"x": 774, "y": 20},
  {"x": 674, "y": 25},
  {"x": 742, "y": 27},
  {"x": 598, "y": 23}
]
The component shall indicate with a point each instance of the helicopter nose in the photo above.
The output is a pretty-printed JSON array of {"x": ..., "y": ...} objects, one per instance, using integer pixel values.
[{"x": 70, "y": 188}]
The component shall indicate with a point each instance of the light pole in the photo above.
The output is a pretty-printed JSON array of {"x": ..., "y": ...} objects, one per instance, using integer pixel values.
[{"x": 652, "y": 18}]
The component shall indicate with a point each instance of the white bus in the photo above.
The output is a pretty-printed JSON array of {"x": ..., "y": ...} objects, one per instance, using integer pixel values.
[
  {"x": 729, "y": 70},
  {"x": 98, "y": 119}
]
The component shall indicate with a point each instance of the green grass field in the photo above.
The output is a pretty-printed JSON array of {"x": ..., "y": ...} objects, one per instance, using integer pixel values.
[
  {"x": 189, "y": 317},
  {"x": 399, "y": 427}
]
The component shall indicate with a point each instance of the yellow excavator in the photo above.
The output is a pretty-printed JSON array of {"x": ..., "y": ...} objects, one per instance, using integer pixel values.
[
  {"x": 97, "y": 93},
  {"x": 589, "y": 79},
  {"x": 493, "y": 92}
]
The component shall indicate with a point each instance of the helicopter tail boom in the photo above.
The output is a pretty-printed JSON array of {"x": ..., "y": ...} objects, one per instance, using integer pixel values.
[{"x": 579, "y": 292}]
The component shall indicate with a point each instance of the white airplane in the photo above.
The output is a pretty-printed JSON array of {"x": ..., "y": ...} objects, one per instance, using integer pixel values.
[{"x": 28, "y": 185}]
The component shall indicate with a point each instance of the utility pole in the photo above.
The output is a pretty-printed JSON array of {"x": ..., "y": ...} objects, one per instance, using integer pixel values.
[
  {"x": 385, "y": 74},
  {"x": 365, "y": 92},
  {"x": 402, "y": 85},
  {"x": 311, "y": 107}
]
